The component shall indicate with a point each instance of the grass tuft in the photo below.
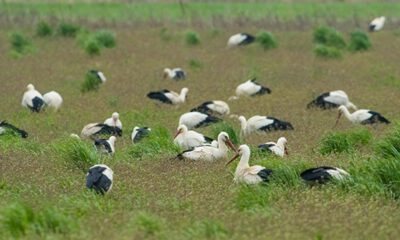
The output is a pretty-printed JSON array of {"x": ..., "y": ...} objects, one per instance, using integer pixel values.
[
  {"x": 347, "y": 142},
  {"x": 20, "y": 44},
  {"x": 266, "y": 40},
  {"x": 43, "y": 29},
  {"x": 251, "y": 197},
  {"x": 329, "y": 36},
  {"x": 148, "y": 223},
  {"x": 68, "y": 29},
  {"x": 209, "y": 229},
  {"x": 228, "y": 128},
  {"x": 389, "y": 146},
  {"x": 105, "y": 38},
  {"x": 327, "y": 52},
  {"x": 92, "y": 46},
  {"x": 359, "y": 41},
  {"x": 17, "y": 219},
  {"x": 192, "y": 38},
  {"x": 159, "y": 141},
  {"x": 91, "y": 82},
  {"x": 77, "y": 152},
  {"x": 194, "y": 63},
  {"x": 51, "y": 220}
]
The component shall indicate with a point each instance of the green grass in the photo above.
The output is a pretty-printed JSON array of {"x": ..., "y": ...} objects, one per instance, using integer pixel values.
[
  {"x": 20, "y": 43},
  {"x": 327, "y": 52},
  {"x": 93, "y": 48},
  {"x": 344, "y": 142},
  {"x": 200, "y": 10},
  {"x": 67, "y": 29},
  {"x": 266, "y": 40},
  {"x": 43, "y": 29},
  {"x": 389, "y": 146},
  {"x": 192, "y": 38},
  {"x": 91, "y": 82},
  {"x": 105, "y": 38},
  {"x": 359, "y": 41},
  {"x": 228, "y": 128},
  {"x": 149, "y": 224},
  {"x": 330, "y": 37}
]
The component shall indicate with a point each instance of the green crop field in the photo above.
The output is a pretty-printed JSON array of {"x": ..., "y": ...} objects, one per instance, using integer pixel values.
[{"x": 155, "y": 196}]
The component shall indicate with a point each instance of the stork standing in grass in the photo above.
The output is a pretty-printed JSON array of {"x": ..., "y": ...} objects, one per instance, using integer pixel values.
[
  {"x": 169, "y": 97},
  {"x": 208, "y": 152},
  {"x": 240, "y": 39},
  {"x": 250, "y": 88},
  {"x": 114, "y": 121},
  {"x": 139, "y": 133},
  {"x": 99, "y": 178},
  {"x": 53, "y": 100},
  {"x": 332, "y": 99},
  {"x": 362, "y": 116},
  {"x": 187, "y": 139},
  {"x": 174, "y": 74},
  {"x": 197, "y": 119},
  {"x": 213, "y": 107},
  {"x": 323, "y": 174},
  {"x": 32, "y": 99},
  {"x": 376, "y": 24},
  {"x": 105, "y": 145},
  {"x": 262, "y": 124},
  {"x": 249, "y": 174},
  {"x": 279, "y": 148},
  {"x": 6, "y": 127}
]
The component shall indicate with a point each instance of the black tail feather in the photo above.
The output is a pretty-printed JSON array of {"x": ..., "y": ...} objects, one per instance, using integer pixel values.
[
  {"x": 20, "y": 132},
  {"x": 159, "y": 96}
]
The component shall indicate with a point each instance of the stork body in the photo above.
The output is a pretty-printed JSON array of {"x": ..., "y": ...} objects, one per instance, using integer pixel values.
[
  {"x": 262, "y": 124},
  {"x": 188, "y": 139},
  {"x": 99, "y": 128},
  {"x": 251, "y": 88},
  {"x": 99, "y": 178},
  {"x": 323, "y": 174},
  {"x": 169, "y": 97},
  {"x": 114, "y": 121},
  {"x": 175, "y": 74},
  {"x": 376, "y": 24},
  {"x": 213, "y": 107},
  {"x": 197, "y": 119},
  {"x": 362, "y": 116},
  {"x": 53, "y": 100},
  {"x": 139, "y": 133},
  {"x": 332, "y": 99},
  {"x": 105, "y": 145},
  {"x": 6, "y": 127},
  {"x": 279, "y": 148},
  {"x": 32, "y": 99},
  {"x": 240, "y": 39}
]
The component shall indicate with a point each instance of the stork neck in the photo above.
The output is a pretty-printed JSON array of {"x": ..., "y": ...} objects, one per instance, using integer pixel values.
[
  {"x": 243, "y": 123},
  {"x": 182, "y": 96},
  {"x": 347, "y": 114},
  {"x": 244, "y": 161}
]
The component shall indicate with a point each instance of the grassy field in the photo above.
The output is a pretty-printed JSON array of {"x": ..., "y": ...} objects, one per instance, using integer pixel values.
[
  {"x": 208, "y": 12},
  {"x": 42, "y": 191}
]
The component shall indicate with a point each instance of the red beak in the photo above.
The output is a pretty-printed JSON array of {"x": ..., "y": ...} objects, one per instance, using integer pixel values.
[
  {"x": 337, "y": 120},
  {"x": 234, "y": 157},
  {"x": 230, "y": 145},
  {"x": 177, "y": 133}
]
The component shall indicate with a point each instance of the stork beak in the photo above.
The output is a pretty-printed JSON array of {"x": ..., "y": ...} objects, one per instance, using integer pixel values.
[
  {"x": 230, "y": 145},
  {"x": 337, "y": 120},
  {"x": 234, "y": 157},
  {"x": 286, "y": 151},
  {"x": 177, "y": 133}
]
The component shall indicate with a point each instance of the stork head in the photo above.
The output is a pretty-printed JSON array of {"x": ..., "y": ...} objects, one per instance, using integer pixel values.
[
  {"x": 115, "y": 116},
  {"x": 181, "y": 129},
  {"x": 341, "y": 110},
  {"x": 112, "y": 140},
  {"x": 243, "y": 122},
  {"x": 243, "y": 149},
  {"x": 283, "y": 142},
  {"x": 166, "y": 72},
  {"x": 30, "y": 87},
  {"x": 224, "y": 137}
]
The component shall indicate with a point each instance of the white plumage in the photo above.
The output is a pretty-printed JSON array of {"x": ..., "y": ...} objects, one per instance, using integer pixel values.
[
  {"x": 279, "y": 148},
  {"x": 169, "y": 97},
  {"x": 100, "y": 178},
  {"x": 106, "y": 145},
  {"x": 53, "y": 100},
  {"x": 332, "y": 99},
  {"x": 240, "y": 39},
  {"x": 138, "y": 133},
  {"x": 114, "y": 121},
  {"x": 262, "y": 123},
  {"x": 250, "y": 88},
  {"x": 175, "y": 74},
  {"x": 377, "y": 24},
  {"x": 323, "y": 174},
  {"x": 216, "y": 106},
  {"x": 208, "y": 152},
  {"x": 249, "y": 174},
  {"x": 362, "y": 116},
  {"x": 187, "y": 139},
  {"x": 196, "y": 119},
  {"x": 32, "y": 99}
]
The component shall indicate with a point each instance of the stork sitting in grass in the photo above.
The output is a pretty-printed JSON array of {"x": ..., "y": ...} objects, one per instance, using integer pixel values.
[
  {"x": 6, "y": 127},
  {"x": 32, "y": 99},
  {"x": 376, "y": 24},
  {"x": 93, "y": 129},
  {"x": 249, "y": 174},
  {"x": 362, "y": 116},
  {"x": 169, "y": 97},
  {"x": 105, "y": 146},
  {"x": 197, "y": 119},
  {"x": 262, "y": 124},
  {"x": 174, "y": 74},
  {"x": 139, "y": 133},
  {"x": 250, "y": 88},
  {"x": 323, "y": 174},
  {"x": 188, "y": 139},
  {"x": 208, "y": 152},
  {"x": 213, "y": 107},
  {"x": 279, "y": 148},
  {"x": 114, "y": 121},
  {"x": 240, "y": 39},
  {"x": 99, "y": 178},
  {"x": 53, "y": 100}
]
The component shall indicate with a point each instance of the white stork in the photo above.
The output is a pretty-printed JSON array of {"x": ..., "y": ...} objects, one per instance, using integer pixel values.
[
  {"x": 99, "y": 178},
  {"x": 99, "y": 75},
  {"x": 208, "y": 152},
  {"x": 139, "y": 133},
  {"x": 279, "y": 148},
  {"x": 210, "y": 107},
  {"x": 53, "y": 100},
  {"x": 105, "y": 146},
  {"x": 250, "y": 88},
  {"x": 114, "y": 121},
  {"x": 174, "y": 74},
  {"x": 32, "y": 99},
  {"x": 169, "y": 97},
  {"x": 246, "y": 174},
  {"x": 362, "y": 116},
  {"x": 376, "y": 24},
  {"x": 99, "y": 128},
  {"x": 323, "y": 174},
  {"x": 332, "y": 99},
  {"x": 262, "y": 124},
  {"x": 187, "y": 139},
  {"x": 197, "y": 119},
  {"x": 240, "y": 39},
  {"x": 6, "y": 127}
]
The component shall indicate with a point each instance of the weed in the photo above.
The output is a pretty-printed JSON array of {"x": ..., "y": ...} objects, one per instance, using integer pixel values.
[
  {"x": 92, "y": 46},
  {"x": 329, "y": 37},
  {"x": 327, "y": 52},
  {"x": 266, "y": 40},
  {"x": 68, "y": 29},
  {"x": 389, "y": 146},
  {"x": 105, "y": 38},
  {"x": 91, "y": 82},
  {"x": 20, "y": 44},
  {"x": 359, "y": 41},
  {"x": 150, "y": 224},
  {"x": 339, "y": 142},
  {"x": 192, "y": 38},
  {"x": 43, "y": 29},
  {"x": 17, "y": 219}
]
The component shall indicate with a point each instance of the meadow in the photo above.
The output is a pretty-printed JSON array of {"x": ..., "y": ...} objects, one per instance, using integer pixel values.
[{"x": 42, "y": 179}]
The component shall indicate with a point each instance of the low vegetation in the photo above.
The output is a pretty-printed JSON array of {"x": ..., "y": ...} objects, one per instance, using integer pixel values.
[
  {"x": 192, "y": 38},
  {"x": 91, "y": 82},
  {"x": 359, "y": 41},
  {"x": 338, "y": 142},
  {"x": 43, "y": 29},
  {"x": 20, "y": 43},
  {"x": 266, "y": 40},
  {"x": 67, "y": 29}
]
